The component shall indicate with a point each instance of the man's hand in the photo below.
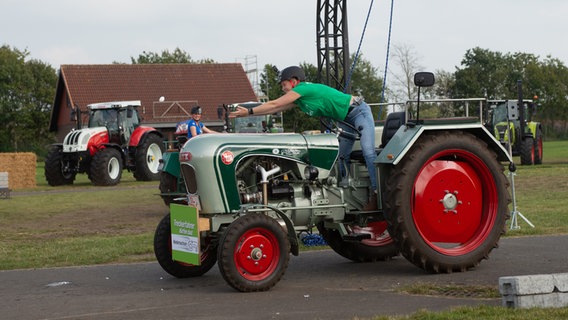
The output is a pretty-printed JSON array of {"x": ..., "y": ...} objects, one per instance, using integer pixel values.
[{"x": 240, "y": 112}]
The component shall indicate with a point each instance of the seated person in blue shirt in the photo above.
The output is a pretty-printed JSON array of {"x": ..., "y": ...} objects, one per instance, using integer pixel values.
[{"x": 194, "y": 126}]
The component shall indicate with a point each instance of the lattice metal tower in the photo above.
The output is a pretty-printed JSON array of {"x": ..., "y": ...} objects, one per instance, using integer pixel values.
[
  {"x": 333, "y": 43},
  {"x": 251, "y": 68}
]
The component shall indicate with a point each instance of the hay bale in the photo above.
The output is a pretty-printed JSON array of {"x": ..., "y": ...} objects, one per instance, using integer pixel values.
[{"x": 21, "y": 168}]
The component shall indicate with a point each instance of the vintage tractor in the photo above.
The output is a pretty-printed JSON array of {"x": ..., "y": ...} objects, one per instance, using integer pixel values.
[
  {"x": 114, "y": 140},
  {"x": 172, "y": 187},
  {"x": 512, "y": 124},
  {"x": 442, "y": 199}
]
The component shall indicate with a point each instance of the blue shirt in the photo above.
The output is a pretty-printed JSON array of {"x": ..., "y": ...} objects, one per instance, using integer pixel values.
[{"x": 196, "y": 125}]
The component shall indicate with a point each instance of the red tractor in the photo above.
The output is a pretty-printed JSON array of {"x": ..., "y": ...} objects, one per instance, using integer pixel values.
[{"x": 114, "y": 140}]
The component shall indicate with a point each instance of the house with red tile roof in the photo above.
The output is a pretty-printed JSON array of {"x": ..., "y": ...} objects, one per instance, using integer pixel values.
[{"x": 183, "y": 86}]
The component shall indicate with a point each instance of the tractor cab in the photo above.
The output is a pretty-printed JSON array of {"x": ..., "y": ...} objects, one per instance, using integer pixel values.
[
  {"x": 120, "y": 119},
  {"x": 502, "y": 110}
]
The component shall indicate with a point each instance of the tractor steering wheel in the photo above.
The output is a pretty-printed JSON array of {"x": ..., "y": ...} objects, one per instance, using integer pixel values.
[{"x": 333, "y": 126}]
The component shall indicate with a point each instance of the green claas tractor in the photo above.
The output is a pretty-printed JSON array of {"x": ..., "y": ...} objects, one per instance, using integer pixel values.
[
  {"x": 172, "y": 187},
  {"x": 442, "y": 199},
  {"x": 512, "y": 124}
]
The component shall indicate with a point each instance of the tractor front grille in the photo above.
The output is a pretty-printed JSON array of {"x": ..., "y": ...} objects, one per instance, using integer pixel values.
[
  {"x": 72, "y": 138},
  {"x": 188, "y": 173},
  {"x": 502, "y": 131}
]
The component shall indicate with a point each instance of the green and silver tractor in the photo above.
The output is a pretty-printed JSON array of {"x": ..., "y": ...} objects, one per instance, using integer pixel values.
[{"x": 442, "y": 199}]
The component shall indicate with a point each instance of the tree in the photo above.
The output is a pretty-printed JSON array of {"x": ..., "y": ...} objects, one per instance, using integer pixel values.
[
  {"x": 445, "y": 82},
  {"x": 550, "y": 83},
  {"x": 366, "y": 83},
  {"x": 177, "y": 56},
  {"x": 494, "y": 75},
  {"x": 483, "y": 74},
  {"x": 26, "y": 98},
  {"x": 269, "y": 82},
  {"x": 406, "y": 58},
  {"x": 364, "y": 80}
]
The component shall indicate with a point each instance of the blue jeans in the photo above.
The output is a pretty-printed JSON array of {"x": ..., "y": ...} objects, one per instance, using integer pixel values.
[{"x": 361, "y": 118}]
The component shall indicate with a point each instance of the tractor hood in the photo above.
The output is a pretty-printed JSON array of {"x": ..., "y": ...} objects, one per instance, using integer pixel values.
[
  {"x": 210, "y": 162},
  {"x": 78, "y": 140},
  {"x": 319, "y": 150}
]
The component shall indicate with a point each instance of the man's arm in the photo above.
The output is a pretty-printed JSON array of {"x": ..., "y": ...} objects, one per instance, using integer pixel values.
[{"x": 283, "y": 103}]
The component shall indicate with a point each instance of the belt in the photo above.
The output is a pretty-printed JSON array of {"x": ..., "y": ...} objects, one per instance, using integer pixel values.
[{"x": 356, "y": 102}]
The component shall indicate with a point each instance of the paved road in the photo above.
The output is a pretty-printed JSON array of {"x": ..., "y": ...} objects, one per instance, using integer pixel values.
[{"x": 317, "y": 285}]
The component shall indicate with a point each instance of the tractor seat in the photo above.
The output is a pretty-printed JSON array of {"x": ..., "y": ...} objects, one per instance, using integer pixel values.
[{"x": 394, "y": 121}]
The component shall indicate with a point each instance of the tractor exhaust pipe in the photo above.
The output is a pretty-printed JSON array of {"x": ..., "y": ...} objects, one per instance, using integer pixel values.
[
  {"x": 264, "y": 180},
  {"x": 521, "y": 108}
]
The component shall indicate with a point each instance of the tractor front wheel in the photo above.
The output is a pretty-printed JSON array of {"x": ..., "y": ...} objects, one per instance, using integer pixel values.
[
  {"x": 527, "y": 151},
  {"x": 163, "y": 252},
  {"x": 54, "y": 168},
  {"x": 253, "y": 253},
  {"x": 148, "y": 155},
  {"x": 106, "y": 167},
  {"x": 447, "y": 202},
  {"x": 168, "y": 184}
]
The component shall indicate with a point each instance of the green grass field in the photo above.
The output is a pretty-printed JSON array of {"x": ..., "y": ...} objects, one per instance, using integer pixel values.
[{"x": 77, "y": 224}]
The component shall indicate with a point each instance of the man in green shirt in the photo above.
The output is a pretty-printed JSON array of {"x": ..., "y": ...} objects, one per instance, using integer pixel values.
[{"x": 319, "y": 100}]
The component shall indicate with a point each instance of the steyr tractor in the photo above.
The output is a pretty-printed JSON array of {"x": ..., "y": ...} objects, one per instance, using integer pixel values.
[
  {"x": 172, "y": 187},
  {"x": 442, "y": 199},
  {"x": 114, "y": 140},
  {"x": 512, "y": 124}
]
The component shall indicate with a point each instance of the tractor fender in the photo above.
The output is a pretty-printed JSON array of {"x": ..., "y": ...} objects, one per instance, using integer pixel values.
[
  {"x": 140, "y": 133},
  {"x": 406, "y": 137},
  {"x": 286, "y": 222},
  {"x": 291, "y": 232},
  {"x": 532, "y": 126},
  {"x": 112, "y": 145},
  {"x": 170, "y": 163}
]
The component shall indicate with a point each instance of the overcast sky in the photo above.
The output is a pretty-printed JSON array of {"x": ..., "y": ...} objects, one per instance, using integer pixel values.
[{"x": 278, "y": 32}]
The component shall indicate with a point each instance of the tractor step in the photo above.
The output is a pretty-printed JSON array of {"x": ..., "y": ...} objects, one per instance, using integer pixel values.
[{"x": 356, "y": 236}]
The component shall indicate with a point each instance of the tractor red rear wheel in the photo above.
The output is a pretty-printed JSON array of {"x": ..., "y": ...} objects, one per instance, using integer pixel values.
[
  {"x": 447, "y": 202},
  {"x": 538, "y": 147},
  {"x": 253, "y": 253},
  {"x": 379, "y": 247}
]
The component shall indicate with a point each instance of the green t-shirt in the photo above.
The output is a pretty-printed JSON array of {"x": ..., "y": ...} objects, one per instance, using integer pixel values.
[{"x": 319, "y": 100}]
